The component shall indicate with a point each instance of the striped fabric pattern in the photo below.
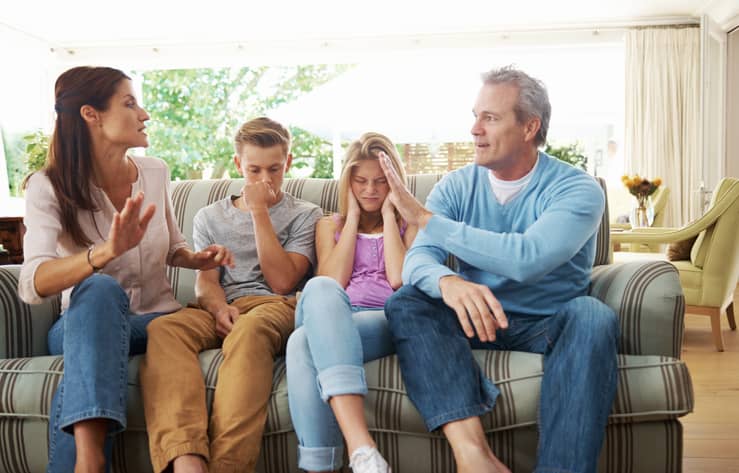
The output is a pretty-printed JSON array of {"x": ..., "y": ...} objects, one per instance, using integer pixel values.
[
  {"x": 603, "y": 247},
  {"x": 23, "y": 327},
  {"x": 644, "y": 433},
  {"x": 652, "y": 389},
  {"x": 649, "y": 301}
]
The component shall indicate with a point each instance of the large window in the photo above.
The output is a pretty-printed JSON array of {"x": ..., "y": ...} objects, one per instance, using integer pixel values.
[
  {"x": 424, "y": 102},
  {"x": 421, "y": 100}
]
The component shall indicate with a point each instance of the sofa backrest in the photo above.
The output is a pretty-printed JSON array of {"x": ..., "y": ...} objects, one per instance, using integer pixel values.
[{"x": 190, "y": 196}]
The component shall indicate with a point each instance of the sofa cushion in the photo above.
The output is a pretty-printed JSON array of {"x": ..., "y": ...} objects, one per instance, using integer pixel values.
[
  {"x": 650, "y": 388},
  {"x": 23, "y": 327},
  {"x": 691, "y": 280}
]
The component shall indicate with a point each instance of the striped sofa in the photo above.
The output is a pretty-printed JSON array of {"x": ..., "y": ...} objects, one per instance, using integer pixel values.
[{"x": 644, "y": 433}]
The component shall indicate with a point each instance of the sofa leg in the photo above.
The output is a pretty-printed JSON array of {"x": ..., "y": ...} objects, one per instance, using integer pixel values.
[{"x": 730, "y": 316}]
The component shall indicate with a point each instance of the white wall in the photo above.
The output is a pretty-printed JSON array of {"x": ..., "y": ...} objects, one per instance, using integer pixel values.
[
  {"x": 25, "y": 85},
  {"x": 24, "y": 90}
]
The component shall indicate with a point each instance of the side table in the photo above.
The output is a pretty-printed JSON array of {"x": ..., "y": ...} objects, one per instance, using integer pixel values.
[{"x": 11, "y": 237}]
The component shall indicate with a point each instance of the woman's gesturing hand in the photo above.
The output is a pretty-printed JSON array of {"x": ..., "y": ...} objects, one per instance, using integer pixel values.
[
  {"x": 213, "y": 257},
  {"x": 129, "y": 225}
]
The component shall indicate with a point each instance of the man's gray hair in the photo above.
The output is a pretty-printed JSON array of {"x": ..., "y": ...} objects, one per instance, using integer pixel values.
[{"x": 533, "y": 99}]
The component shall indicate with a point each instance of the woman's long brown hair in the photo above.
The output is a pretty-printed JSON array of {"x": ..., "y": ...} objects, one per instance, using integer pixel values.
[{"x": 69, "y": 161}]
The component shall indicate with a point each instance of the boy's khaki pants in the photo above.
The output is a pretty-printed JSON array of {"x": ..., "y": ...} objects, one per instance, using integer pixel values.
[{"x": 173, "y": 388}]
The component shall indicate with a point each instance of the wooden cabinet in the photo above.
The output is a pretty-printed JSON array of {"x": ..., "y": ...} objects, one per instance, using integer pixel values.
[{"x": 11, "y": 237}]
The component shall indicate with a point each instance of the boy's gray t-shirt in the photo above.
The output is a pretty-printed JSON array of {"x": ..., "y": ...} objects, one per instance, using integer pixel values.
[{"x": 294, "y": 221}]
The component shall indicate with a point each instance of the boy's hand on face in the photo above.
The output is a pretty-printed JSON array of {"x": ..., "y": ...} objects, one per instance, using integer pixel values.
[{"x": 258, "y": 195}]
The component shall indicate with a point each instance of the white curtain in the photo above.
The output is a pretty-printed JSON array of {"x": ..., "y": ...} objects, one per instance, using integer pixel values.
[
  {"x": 662, "y": 114},
  {"x": 4, "y": 183}
]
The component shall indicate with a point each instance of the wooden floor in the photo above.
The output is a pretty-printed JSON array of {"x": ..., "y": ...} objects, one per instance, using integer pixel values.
[{"x": 712, "y": 430}]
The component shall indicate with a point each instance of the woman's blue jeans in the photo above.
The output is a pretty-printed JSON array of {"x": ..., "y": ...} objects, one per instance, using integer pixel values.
[
  {"x": 579, "y": 344},
  {"x": 325, "y": 358},
  {"x": 96, "y": 335}
]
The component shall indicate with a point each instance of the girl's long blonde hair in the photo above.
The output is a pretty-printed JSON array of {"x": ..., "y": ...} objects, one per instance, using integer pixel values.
[{"x": 367, "y": 147}]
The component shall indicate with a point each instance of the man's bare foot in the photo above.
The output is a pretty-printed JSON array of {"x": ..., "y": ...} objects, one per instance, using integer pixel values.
[{"x": 189, "y": 464}]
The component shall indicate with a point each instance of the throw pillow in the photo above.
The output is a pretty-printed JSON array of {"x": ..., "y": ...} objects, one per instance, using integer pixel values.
[{"x": 680, "y": 250}]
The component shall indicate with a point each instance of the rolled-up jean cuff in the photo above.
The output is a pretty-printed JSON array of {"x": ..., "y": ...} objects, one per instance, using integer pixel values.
[
  {"x": 118, "y": 420},
  {"x": 341, "y": 379},
  {"x": 489, "y": 395},
  {"x": 320, "y": 458}
]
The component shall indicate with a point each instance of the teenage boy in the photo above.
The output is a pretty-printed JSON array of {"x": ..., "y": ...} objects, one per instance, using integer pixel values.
[{"x": 248, "y": 310}]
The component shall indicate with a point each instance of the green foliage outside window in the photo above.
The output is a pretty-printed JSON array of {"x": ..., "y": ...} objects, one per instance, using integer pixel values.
[
  {"x": 24, "y": 153},
  {"x": 571, "y": 153},
  {"x": 37, "y": 146},
  {"x": 196, "y": 112},
  {"x": 12, "y": 146}
]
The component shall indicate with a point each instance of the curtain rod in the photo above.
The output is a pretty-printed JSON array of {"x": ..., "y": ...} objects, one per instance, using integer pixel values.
[{"x": 667, "y": 27}]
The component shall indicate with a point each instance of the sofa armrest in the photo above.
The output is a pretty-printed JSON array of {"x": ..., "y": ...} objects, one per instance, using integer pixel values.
[
  {"x": 648, "y": 300},
  {"x": 23, "y": 327}
]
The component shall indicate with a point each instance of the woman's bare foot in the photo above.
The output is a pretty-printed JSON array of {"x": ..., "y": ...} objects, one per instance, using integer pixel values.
[{"x": 471, "y": 459}]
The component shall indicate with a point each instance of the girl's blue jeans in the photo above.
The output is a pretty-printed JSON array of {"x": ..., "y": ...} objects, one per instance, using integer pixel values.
[{"x": 325, "y": 358}]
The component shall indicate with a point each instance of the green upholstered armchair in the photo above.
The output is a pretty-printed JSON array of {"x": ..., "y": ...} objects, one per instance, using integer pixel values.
[
  {"x": 659, "y": 203},
  {"x": 709, "y": 277}
]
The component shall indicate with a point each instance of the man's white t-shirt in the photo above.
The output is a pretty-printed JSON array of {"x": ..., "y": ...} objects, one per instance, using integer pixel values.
[{"x": 506, "y": 190}]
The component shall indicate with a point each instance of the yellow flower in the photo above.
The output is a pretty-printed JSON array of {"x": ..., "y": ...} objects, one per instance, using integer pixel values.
[{"x": 639, "y": 186}]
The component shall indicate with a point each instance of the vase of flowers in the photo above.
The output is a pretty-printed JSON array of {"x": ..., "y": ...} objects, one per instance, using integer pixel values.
[{"x": 642, "y": 215}]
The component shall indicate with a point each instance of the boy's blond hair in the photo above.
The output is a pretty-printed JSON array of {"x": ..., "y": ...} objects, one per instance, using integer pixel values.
[{"x": 263, "y": 132}]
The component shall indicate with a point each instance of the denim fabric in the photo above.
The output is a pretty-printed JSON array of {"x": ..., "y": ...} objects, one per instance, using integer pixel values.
[
  {"x": 579, "y": 345},
  {"x": 325, "y": 357},
  {"x": 96, "y": 335}
]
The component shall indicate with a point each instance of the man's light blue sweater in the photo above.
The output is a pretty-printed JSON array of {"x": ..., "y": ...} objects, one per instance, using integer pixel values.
[{"x": 535, "y": 252}]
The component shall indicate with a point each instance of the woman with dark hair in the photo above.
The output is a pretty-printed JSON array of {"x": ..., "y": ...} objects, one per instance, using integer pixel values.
[{"x": 100, "y": 230}]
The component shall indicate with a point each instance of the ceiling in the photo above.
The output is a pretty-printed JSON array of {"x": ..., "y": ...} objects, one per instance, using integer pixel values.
[
  {"x": 88, "y": 23},
  {"x": 41, "y": 38}
]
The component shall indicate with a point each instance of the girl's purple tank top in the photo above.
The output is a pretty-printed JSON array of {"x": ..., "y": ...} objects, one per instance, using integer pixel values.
[{"x": 368, "y": 285}]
